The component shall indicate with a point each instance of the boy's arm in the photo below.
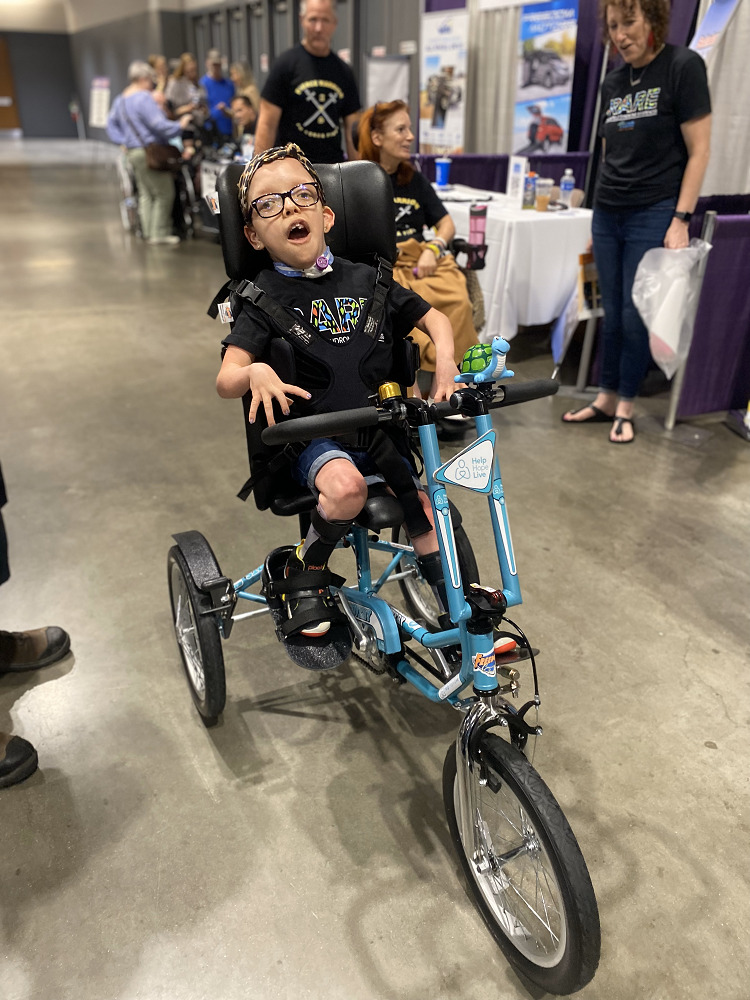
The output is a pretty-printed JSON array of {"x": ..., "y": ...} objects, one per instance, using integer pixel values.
[
  {"x": 240, "y": 371},
  {"x": 438, "y": 328}
]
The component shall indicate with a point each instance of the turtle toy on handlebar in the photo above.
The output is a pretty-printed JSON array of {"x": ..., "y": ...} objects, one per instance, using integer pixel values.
[{"x": 441, "y": 631}]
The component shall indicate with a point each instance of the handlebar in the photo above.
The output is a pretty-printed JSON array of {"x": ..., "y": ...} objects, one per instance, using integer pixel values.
[
  {"x": 345, "y": 421},
  {"x": 508, "y": 394},
  {"x": 323, "y": 424}
]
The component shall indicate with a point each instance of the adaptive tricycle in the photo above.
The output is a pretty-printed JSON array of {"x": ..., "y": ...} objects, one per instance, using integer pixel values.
[{"x": 522, "y": 863}]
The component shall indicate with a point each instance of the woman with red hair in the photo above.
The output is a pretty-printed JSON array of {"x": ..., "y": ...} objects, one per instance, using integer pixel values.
[{"x": 423, "y": 227}]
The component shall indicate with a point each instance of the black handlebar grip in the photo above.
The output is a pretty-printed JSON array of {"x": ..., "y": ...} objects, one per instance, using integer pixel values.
[
  {"x": 320, "y": 425},
  {"x": 522, "y": 392}
]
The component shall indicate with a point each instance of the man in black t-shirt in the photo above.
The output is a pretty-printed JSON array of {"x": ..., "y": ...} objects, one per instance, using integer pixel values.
[{"x": 310, "y": 95}]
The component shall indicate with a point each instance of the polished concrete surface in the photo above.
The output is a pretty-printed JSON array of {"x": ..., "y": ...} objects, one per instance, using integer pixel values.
[{"x": 299, "y": 849}]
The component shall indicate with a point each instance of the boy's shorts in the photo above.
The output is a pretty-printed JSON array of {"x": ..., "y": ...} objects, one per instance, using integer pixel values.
[{"x": 322, "y": 450}]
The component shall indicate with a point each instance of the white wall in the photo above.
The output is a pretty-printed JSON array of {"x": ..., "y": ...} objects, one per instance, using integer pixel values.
[{"x": 33, "y": 15}]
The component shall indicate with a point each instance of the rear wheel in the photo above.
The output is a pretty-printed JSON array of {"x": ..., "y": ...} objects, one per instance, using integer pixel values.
[
  {"x": 198, "y": 638},
  {"x": 418, "y": 594},
  {"x": 526, "y": 874}
]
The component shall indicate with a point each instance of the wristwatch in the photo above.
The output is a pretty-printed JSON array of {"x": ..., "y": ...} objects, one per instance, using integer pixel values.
[{"x": 683, "y": 216}]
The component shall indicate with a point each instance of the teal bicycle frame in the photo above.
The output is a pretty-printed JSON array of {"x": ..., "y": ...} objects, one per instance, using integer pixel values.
[{"x": 371, "y": 614}]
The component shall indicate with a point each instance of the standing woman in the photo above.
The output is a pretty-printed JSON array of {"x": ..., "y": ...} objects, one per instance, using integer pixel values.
[
  {"x": 655, "y": 127},
  {"x": 423, "y": 265},
  {"x": 135, "y": 120}
]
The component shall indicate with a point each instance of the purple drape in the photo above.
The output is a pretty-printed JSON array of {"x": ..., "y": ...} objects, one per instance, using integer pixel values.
[
  {"x": 489, "y": 171},
  {"x": 717, "y": 374}
]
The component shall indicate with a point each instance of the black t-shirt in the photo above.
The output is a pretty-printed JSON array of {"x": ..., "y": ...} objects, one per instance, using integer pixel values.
[
  {"x": 332, "y": 305},
  {"x": 315, "y": 94},
  {"x": 416, "y": 206},
  {"x": 645, "y": 154}
]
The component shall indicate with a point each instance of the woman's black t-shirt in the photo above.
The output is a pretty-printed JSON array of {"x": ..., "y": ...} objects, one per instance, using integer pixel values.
[
  {"x": 416, "y": 206},
  {"x": 645, "y": 153}
]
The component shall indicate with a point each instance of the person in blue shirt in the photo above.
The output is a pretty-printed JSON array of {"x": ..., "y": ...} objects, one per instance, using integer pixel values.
[
  {"x": 136, "y": 120},
  {"x": 220, "y": 93}
]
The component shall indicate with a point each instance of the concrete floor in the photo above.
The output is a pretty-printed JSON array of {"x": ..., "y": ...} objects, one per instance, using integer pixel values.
[{"x": 300, "y": 849}]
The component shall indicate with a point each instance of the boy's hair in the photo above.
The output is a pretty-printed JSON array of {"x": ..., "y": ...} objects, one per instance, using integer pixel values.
[{"x": 291, "y": 150}]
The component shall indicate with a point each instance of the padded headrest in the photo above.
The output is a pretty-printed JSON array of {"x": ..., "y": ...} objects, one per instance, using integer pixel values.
[{"x": 361, "y": 196}]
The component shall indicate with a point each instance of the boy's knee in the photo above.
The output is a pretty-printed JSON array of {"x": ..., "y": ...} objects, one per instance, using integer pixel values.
[{"x": 342, "y": 488}]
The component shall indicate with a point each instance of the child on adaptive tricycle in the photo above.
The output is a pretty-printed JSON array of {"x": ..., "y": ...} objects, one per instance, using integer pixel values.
[{"x": 342, "y": 321}]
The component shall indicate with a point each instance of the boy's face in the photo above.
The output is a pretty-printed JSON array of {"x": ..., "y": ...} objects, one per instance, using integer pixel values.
[{"x": 296, "y": 236}]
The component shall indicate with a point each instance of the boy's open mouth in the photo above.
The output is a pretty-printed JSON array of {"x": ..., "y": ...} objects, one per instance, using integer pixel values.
[{"x": 298, "y": 232}]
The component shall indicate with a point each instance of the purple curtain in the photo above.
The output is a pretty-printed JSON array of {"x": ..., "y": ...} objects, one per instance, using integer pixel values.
[{"x": 717, "y": 374}]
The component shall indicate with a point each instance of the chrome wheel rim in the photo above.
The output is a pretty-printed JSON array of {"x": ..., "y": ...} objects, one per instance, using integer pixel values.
[
  {"x": 514, "y": 874},
  {"x": 186, "y": 631}
]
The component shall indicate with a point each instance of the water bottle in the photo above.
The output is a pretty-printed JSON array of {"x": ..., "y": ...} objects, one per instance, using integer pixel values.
[{"x": 566, "y": 187}]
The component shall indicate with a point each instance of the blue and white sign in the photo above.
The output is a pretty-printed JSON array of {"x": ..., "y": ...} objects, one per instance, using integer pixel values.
[{"x": 472, "y": 467}]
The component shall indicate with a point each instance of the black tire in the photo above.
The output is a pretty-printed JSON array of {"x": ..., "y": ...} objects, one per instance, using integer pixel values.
[
  {"x": 550, "y": 877},
  {"x": 198, "y": 639},
  {"x": 546, "y": 144},
  {"x": 418, "y": 596}
]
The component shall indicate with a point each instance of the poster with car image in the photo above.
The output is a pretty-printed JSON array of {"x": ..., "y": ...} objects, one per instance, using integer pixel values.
[{"x": 546, "y": 57}]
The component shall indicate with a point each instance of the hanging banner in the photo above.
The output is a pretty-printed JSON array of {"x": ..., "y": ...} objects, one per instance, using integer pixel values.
[
  {"x": 709, "y": 31},
  {"x": 442, "y": 87},
  {"x": 546, "y": 57},
  {"x": 99, "y": 102}
]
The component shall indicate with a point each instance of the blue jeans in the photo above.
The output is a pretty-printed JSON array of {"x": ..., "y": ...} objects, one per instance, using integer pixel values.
[{"x": 620, "y": 240}]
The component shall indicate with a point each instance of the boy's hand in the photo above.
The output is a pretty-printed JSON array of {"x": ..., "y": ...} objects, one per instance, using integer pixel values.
[
  {"x": 266, "y": 386},
  {"x": 443, "y": 385}
]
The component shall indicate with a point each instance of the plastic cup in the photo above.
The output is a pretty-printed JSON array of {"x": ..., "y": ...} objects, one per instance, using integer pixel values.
[
  {"x": 543, "y": 193},
  {"x": 442, "y": 170}
]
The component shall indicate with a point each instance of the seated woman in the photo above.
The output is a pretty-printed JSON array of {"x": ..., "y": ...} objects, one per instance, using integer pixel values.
[{"x": 423, "y": 264}]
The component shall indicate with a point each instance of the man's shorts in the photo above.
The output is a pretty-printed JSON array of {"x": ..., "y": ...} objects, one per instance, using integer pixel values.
[{"x": 322, "y": 450}]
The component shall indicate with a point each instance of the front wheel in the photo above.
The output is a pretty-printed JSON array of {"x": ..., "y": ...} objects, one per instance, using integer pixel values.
[
  {"x": 418, "y": 595},
  {"x": 198, "y": 638},
  {"x": 524, "y": 869}
]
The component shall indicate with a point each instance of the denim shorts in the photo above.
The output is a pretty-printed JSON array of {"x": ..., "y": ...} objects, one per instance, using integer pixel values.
[{"x": 322, "y": 450}]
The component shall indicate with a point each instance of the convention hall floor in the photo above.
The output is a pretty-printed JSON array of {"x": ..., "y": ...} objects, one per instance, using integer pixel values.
[{"x": 300, "y": 849}]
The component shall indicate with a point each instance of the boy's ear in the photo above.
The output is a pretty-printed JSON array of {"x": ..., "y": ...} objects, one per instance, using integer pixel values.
[
  {"x": 328, "y": 218},
  {"x": 252, "y": 238}
]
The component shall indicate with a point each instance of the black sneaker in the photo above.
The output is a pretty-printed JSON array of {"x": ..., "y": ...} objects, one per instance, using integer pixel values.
[
  {"x": 18, "y": 760},
  {"x": 313, "y": 601}
]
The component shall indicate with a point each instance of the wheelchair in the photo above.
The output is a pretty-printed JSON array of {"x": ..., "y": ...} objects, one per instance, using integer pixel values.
[{"x": 522, "y": 864}]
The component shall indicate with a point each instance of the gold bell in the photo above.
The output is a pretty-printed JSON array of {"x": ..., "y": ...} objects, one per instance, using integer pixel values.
[{"x": 389, "y": 390}]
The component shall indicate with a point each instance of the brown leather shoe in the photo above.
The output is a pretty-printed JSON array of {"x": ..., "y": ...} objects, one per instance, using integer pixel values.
[
  {"x": 18, "y": 760},
  {"x": 29, "y": 650}
]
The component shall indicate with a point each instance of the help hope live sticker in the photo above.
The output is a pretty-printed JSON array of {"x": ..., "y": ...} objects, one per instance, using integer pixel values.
[{"x": 472, "y": 467}]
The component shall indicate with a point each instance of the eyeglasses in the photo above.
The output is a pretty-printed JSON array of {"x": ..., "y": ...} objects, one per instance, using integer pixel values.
[{"x": 269, "y": 205}]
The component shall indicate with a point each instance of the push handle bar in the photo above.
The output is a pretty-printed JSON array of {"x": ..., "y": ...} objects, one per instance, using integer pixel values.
[{"x": 322, "y": 424}]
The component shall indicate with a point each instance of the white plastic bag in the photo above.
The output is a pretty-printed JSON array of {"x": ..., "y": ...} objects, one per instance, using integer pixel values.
[{"x": 666, "y": 292}]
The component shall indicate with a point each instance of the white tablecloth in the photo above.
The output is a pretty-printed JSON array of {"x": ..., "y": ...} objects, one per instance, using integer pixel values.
[{"x": 531, "y": 263}]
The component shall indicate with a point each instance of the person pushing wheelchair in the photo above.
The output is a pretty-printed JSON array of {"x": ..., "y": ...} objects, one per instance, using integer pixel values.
[{"x": 343, "y": 322}]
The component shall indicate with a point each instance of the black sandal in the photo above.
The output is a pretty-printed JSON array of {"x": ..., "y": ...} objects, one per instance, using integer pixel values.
[
  {"x": 617, "y": 430},
  {"x": 599, "y": 417}
]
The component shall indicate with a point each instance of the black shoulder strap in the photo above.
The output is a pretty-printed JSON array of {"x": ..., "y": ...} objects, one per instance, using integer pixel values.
[{"x": 383, "y": 281}]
